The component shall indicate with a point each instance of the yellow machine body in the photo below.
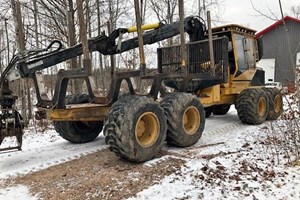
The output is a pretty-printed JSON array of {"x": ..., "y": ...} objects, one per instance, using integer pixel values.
[{"x": 243, "y": 54}]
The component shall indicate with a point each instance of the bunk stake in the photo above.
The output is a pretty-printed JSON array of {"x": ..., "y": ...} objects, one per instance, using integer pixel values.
[
  {"x": 182, "y": 38},
  {"x": 210, "y": 43},
  {"x": 140, "y": 37}
]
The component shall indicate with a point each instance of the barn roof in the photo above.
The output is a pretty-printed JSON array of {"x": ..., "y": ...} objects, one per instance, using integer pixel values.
[{"x": 276, "y": 24}]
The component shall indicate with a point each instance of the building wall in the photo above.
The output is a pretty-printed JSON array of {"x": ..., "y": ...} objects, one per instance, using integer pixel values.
[{"x": 275, "y": 45}]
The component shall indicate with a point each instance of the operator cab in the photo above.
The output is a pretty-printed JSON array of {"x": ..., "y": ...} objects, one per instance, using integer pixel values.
[{"x": 242, "y": 47}]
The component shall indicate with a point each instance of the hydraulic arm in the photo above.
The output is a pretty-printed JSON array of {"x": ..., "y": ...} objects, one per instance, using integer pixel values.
[{"x": 106, "y": 45}]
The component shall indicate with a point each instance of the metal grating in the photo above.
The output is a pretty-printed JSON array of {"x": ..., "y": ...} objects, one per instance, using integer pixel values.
[
  {"x": 198, "y": 61},
  {"x": 200, "y": 74}
]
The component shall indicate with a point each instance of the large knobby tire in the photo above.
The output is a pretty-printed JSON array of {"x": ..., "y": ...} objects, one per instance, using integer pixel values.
[
  {"x": 185, "y": 117},
  {"x": 221, "y": 109},
  {"x": 275, "y": 103},
  {"x": 78, "y": 131},
  {"x": 135, "y": 128},
  {"x": 208, "y": 111},
  {"x": 253, "y": 106}
]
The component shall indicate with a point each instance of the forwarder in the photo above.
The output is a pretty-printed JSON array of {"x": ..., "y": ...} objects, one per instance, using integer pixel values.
[{"x": 219, "y": 70}]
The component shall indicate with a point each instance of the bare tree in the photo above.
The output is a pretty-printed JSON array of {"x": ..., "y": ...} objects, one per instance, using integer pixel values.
[
  {"x": 102, "y": 71},
  {"x": 295, "y": 11},
  {"x": 7, "y": 40},
  {"x": 2, "y": 48},
  {"x": 35, "y": 14},
  {"x": 211, "y": 5},
  {"x": 83, "y": 34},
  {"x": 24, "y": 84},
  {"x": 72, "y": 40},
  {"x": 271, "y": 15},
  {"x": 159, "y": 8}
]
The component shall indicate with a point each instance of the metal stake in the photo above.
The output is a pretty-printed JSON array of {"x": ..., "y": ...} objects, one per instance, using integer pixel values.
[
  {"x": 210, "y": 43},
  {"x": 140, "y": 37}
]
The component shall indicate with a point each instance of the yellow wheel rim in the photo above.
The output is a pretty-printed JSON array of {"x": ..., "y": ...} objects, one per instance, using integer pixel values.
[
  {"x": 262, "y": 106},
  {"x": 277, "y": 103},
  {"x": 191, "y": 120},
  {"x": 147, "y": 129}
]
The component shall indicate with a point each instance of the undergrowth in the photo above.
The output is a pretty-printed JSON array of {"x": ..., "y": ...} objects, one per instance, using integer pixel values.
[{"x": 283, "y": 135}]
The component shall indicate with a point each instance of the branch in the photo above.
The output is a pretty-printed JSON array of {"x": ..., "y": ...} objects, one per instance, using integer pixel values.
[{"x": 262, "y": 14}]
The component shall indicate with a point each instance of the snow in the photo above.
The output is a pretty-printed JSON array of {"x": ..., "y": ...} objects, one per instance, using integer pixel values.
[
  {"x": 41, "y": 150},
  {"x": 222, "y": 177},
  {"x": 19, "y": 192},
  {"x": 228, "y": 162}
]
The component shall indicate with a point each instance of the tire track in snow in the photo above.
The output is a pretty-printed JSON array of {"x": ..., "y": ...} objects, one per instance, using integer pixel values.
[
  {"x": 35, "y": 159},
  {"x": 60, "y": 151},
  {"x": 217, "y": 131}
]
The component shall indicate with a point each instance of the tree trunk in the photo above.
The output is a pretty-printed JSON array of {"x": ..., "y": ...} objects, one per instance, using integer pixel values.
[
  {"x": 83, "y": 34},
  {"x": 170, "y": 20},
  {"x": 35, "y": 15},
  {"x": 102, "y": 71},
  {"x": 7, "y": 41},
  {"x": 72, "y": 41},
  {"x": 294, "y": 67},
  {"x": 2, "y": 46},
  {"x": 111, "y": 26},
  {"x": 21, "y": 47}
]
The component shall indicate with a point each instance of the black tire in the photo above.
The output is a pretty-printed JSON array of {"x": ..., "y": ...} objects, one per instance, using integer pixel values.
[
  {"x": 136, "y": 128},
  {"x": 253, "y": 106},
  {"x": 221, "y": 109},
  {"x": 208, "y": 111},
  {"x": 275, "y": 103},
  {"x": 185, "y": 117},
  {"x": 78, "y": 131},
  {"x": 19, "y": 141},
  {"x": 19, "y": 129}
]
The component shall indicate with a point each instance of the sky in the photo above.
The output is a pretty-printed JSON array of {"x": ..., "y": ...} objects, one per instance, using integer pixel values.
[{"x": 241, "y": 12}]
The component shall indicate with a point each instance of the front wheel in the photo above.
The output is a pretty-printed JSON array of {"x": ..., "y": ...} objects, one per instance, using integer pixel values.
[
  {"x": 208, "y": 111},
  {"x": 221, "y": 109},
  {"x": 275, "y": 103},
  {"x": 253, "y": 106}
]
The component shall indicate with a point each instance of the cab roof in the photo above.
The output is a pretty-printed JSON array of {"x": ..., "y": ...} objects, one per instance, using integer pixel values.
[{"x": 234, "y": 28}]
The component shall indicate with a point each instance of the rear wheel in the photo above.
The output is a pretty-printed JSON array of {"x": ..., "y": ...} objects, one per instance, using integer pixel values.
[
  {"x": 221, "y": 109},
  {"x": 253, "y": 106},
  {"x": 275, "y": 103},
  {"x": 78, "y": 131},
  {"x": 185, "y": 117},
  {"x": 135, "y": 128}
]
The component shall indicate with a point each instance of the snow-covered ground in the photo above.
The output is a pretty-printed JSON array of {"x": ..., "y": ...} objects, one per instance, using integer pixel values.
[
  {"x": 42, "y": 150},
  {"x": 230, "y": 161},
  {"x": 39, "y": 151}
]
